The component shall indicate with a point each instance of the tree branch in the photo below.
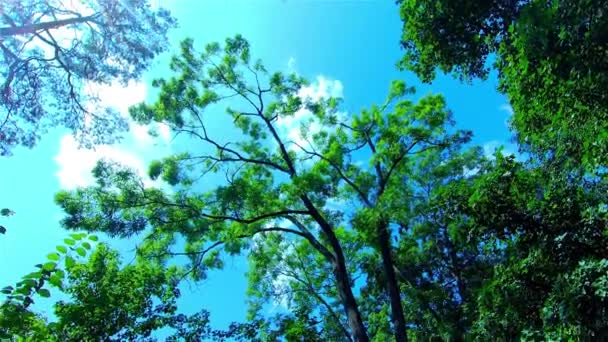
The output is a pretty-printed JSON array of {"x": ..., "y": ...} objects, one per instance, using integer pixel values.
[
  {"x": 49, "y": 25},
  {"x": 338, "y": 169}
]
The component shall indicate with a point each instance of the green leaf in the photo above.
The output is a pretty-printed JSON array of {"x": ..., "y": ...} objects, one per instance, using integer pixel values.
[
  {"x": 53, "y": 256},
  {"x": 49, "y": 266},
  {"x": 6, "y": 212},
  {"x": 69, "y": 242},
  {"x": 33, "y": 275},
  {"x": 26, "y": 290},
  {"x": 155, "y": 169},
  {"x": 77, "y": 236},
  {"x": 44, "y": 293},
  {"x": 93, "y": 237},
  {"x": 69, "y": 262},
  {"x": 61, "y": 249},
  {"x": 86, "y": 245},
  {"x": 55, "y": 280},
  {"x": 81, "y": 251}
]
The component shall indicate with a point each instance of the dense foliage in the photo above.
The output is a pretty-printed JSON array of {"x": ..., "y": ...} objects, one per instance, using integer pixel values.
[{"x": 551, "y": 58}]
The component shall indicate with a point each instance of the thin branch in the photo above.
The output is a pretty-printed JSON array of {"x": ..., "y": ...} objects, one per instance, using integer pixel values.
[
  {"x": 311, "y": 289},
  {"x": 312, "y": 239},
  {"x": 231, "y": 86},
  {"x": 222, "y": 149},
  {"x": 396, "y": 162},
  {"x": 338, "y": 169},
  {"x": 373, "y": 149}
]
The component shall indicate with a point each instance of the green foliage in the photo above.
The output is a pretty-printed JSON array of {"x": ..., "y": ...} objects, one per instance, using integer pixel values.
[
  {"x": 49, "y": 273},
  {"x": 277, "y": 191},
  {"x": 551, "y": 58},
  {"x": 6, "y": 212},
  {"x": 433, "y": 236},
  {"x": 15, "y": 317},
  {"x": 105, "y": 302}
]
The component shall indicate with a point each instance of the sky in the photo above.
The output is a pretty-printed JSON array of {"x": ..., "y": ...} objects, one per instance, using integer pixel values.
[{"x": 345, "y": 47}]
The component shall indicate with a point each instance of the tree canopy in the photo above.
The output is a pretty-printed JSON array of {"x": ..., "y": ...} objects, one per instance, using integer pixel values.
[
  {"x": 54, "y": 52},
  {"x": 551, "y": 58},
  {"x": 275, "y": 184},
  {"x": 385, "y": 224},
  {"x": 438, "y": 232}
]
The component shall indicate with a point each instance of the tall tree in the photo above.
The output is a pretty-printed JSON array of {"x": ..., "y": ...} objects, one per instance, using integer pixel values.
[
  {"x": 551, "y": 58},
  {"x": 53, "y": 51},
  {"x": 275, "y": 182},
  {"x": 440, "y": 261}
]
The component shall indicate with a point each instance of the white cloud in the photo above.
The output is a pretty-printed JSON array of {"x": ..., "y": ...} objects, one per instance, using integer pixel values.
[
  {"x": 506, "y": 108},
  {"x": 290, "y": 127},
  {"x": 75, "y": 164},
  {"x": 143, "y": 136},
  {"x": 323, "y": 88},
  {"x": 491, "y": 146},
  {"x": 165, "y": 132},
  {"x": 140, "y": 133},
  {"x": 76, "y": 6},
  {"x": 509, "y": 111},
  {"x": 121, "y": 98},
  {"x": 117, "y": 95},
  {"x": 291, "y": 65}
]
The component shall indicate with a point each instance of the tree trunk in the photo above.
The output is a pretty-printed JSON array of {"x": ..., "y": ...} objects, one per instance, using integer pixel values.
[
  {"x": 348, "y": 301},
  {"x": 462, "y": 291},
  {"x": 392, "y": 286},
  {"x": 351, "y": 309}
]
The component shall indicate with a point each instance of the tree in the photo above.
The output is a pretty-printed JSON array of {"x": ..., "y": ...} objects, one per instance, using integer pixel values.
[
  {"x": 274, "y": 184},
  {"x": 552, "y": 227},
  {"x": 108, "y": 302},
  {"x": 16, "y": 317},
  {"x": 510, "y": 251},
  {"x": 54, "y": 52},
  {"x": 442, "y": 263},
  {"x": 551, "y": 58}
]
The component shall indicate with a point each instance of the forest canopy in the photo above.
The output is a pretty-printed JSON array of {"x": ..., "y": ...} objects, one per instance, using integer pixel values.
[{"x": 383, "y": 224}]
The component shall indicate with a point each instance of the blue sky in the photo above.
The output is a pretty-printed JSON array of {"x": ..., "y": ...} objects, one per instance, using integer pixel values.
[{"x": 349, "y": 44}]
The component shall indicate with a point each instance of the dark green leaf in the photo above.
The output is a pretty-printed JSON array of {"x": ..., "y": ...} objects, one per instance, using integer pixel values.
[{"x": 44, "y": 293}]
